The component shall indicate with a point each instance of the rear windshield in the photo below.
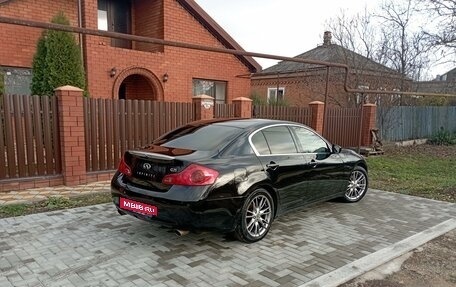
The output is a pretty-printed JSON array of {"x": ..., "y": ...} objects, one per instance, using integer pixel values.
[{"x": 204, "y": 138}]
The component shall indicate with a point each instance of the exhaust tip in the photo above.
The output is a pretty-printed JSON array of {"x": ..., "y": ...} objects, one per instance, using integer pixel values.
[{"x": 180, "y": 233}]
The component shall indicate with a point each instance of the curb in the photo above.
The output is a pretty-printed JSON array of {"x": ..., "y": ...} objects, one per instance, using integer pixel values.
[{"x": 378, "y": 258}]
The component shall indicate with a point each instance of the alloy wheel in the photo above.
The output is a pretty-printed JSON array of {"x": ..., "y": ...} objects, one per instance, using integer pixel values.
[
  {"x": 259, "y": 215},
  {"x": 356, "y": 186}
]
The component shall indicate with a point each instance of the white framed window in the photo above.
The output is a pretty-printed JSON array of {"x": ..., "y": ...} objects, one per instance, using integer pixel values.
[
  {"x": 274, "y": 96},
  {"x": 215, "y": 89}
]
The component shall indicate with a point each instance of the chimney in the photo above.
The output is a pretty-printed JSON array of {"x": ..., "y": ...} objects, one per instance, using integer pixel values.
[{"x": 327, "y": 38}]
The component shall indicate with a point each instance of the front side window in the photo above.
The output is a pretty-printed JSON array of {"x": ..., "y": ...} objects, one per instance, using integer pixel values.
[
  {"x": 274, "y": 140},
  {"x": 215, "y": 89},
  {"x": 310, "y": 142},
  {"x": 274, "y": 96}
]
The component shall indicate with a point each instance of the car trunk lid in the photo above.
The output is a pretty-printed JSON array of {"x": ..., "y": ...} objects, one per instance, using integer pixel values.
[{"x": 149, "y": 168}]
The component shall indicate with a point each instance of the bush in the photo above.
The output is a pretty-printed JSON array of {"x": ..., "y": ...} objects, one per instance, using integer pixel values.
[
  {"x": 443, "y": 137},
  {"x": 257, "y": 100},
  {"x": 57, "y": 61}
]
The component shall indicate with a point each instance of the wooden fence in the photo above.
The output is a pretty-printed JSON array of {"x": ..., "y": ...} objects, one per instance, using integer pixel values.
[
  {"x": 29, "y": 138},
  {"x": 295, "y": 114},
  {"x": 223, "y": 111},
  {"x": 404, "y": 123},
  {"x": 113, "y": 126},
  {"x": 342, "y": 126},
  {"x": 29, "y": 129}
]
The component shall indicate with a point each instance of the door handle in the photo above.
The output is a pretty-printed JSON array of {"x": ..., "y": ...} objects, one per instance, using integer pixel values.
[
  {"x": 272, "y": 165},
  {"x": 313, "y": 163}
]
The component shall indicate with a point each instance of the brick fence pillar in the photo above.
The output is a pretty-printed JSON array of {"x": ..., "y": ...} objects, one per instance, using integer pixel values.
[
  {"x": 242, "y": 107},
  {"x": 369, "y": 123},
  {"x": 317, "y": 110},
  {"x": 204, "y": 107},
  {"x": 72, "y": 138}
]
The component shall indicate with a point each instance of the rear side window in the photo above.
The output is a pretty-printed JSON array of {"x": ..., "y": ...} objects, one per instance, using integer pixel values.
[
  {"x": 274, "y": 140},
  {"x": 260, "y": 143},
  {"x": 202, "y": 138}
]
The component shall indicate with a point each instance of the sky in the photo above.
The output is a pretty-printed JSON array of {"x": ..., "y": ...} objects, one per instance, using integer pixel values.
[{"x": 283, "y": 27}]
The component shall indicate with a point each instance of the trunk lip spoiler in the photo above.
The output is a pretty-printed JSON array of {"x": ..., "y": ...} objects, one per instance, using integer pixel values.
[{"x": 151, "y": 154}]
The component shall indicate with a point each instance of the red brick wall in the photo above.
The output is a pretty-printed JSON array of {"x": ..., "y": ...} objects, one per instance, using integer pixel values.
[
  {"x": 181, "y": 65},
  {"x": 181, "y": 26},
  {"x": 139, "y": 88},
  {"x": 301, "y": 89},
  {"x": 18, "y": 44},
  {"x": 148, "y": 21}
]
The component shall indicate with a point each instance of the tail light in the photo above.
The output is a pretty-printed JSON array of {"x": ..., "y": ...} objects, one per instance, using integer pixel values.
[
  {"x": 124, "y": 168},
  {"x": 192, "y": 175}
]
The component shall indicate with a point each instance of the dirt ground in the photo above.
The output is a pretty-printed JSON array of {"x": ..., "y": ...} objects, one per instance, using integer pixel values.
[
  {"x": 431, "y": 265},
  {"x": 425, "y": 149}
]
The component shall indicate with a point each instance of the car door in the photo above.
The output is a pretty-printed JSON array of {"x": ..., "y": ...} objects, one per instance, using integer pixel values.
[
  {"x": 326, "y": 178},
  {"x": 284, "y": 165}
]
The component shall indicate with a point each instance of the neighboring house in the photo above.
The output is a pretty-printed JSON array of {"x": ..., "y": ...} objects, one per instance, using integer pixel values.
[
  {"x": 298, "y": 84},
  {"x": 442, "y": 84},
  {"x": 126, "y": 69}
]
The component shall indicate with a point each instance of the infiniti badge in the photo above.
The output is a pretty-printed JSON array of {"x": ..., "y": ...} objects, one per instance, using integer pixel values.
[{"x": 147, "y": 166}]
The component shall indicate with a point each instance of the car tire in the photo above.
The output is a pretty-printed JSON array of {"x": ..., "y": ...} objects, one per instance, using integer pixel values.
[
  {"x": 256, "y": 216},
  {"x": 357, "y": 185}
]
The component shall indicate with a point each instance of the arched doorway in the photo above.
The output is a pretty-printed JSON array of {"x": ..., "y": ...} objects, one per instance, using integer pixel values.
[{"x": 137, "y": 84}]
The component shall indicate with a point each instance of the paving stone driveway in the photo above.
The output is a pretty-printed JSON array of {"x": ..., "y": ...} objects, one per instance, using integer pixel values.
[{"x": 94, "y": 246}]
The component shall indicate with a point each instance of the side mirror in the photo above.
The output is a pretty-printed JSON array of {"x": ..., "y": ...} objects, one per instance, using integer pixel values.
[{"x": 336, "y": 148}]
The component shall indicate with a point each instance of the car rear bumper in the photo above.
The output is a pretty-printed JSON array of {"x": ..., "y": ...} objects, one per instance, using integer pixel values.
[{"x": 220, "y": 214}]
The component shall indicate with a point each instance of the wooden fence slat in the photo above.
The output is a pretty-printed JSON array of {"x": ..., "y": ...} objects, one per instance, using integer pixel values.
[
  {"x": 94, "y": 135},
  {"x": 142, "y": 121},
  {"x": 3, "y": 150},
  {"x": 9, "y": 137},
  {"x": 101, "y": 134},
  {"x": 129, "y": 132},
  {"x": 123, "y": 135},
  {"x": 149, "y": 122},
  {"x": 109, "y": 134},
  {"x": 135, "y": 127},
  {"x": 29, "y": 145},
  {"x": 87, "y": 133},
  {"x": 38, "y": 121},
  {"x": 20, "y": 142},
  {"x": 115, "y": 129},
  {"x": 47, "y": 135},
  {"x": 56, "y": 136}
]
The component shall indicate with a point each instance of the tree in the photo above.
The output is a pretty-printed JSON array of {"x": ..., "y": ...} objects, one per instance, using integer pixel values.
[
  {"x": 57, "y": 61},
  {"x": 444, "y": 12},
  {"x": 403, "y": 46},
  {"x": 442, "y": 34}
]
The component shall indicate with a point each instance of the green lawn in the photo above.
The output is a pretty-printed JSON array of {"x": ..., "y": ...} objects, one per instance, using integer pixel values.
[{"x": 427, "y": 171}]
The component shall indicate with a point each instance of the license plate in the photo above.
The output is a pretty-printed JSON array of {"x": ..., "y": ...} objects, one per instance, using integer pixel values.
[{"x": 138, "y": 207}]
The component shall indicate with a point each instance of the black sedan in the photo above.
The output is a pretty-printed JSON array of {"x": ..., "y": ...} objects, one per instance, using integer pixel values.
[{"x": 234, "y": 175}]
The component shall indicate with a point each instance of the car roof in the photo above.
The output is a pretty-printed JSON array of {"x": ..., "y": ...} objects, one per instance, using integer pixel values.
[{"x": 242, "y": 123}]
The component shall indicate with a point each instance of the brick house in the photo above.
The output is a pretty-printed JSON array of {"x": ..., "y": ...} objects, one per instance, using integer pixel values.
[
  {"x": 132, "y": 70},
  {"x": 298, "y": 84},
  {"x": 442, "y": 84}
]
